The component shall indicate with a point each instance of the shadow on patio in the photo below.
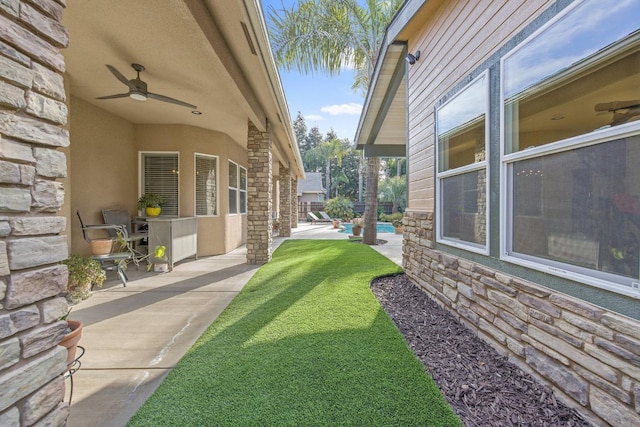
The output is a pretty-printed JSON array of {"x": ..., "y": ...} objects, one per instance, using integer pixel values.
[{"x": 135, "y": 335}]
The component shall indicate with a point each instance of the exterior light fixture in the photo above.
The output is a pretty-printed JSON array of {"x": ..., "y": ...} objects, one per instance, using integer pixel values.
[{"x": 411, "y": 58}]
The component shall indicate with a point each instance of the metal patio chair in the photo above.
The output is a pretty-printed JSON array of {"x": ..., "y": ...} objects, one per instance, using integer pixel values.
[{"x": 112, "y": 260}]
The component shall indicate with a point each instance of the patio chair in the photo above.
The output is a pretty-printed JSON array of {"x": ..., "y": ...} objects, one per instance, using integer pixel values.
[
  {"x": 111, "y": 260},
  {"x": 121, "y": 217},
  {"x": 311, "y": 217},
  {"x": 325, "y": 216}
]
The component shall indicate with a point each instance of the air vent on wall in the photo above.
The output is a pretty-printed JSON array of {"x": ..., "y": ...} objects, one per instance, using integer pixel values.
[{"x": 248, "y": 37}]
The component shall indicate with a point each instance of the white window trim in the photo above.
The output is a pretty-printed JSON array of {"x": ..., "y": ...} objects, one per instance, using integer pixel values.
[
  {"x": 140, "y": 189},
  {"x": 484, "y": 165},
  {"x": 217, "y": 160},
  {"x": 598, "y": 279},
  {"x": 234, "y": 187},
  {"x": 240, "y": 190}
]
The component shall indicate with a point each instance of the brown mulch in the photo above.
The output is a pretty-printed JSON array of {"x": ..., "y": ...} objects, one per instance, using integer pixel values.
[{"x": 482, "y": 387}]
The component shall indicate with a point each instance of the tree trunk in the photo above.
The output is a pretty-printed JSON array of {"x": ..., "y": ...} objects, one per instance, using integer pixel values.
[
  {"x": 360, "y": 177},
  {"x": 371, "y": 202},
  {"x": 327, "y": 183}
]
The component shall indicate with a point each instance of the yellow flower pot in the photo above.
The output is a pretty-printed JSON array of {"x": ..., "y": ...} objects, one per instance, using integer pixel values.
[{"x": 153, "y": 211}]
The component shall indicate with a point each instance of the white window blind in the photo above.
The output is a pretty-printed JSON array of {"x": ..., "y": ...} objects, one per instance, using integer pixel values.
[
  {"x": 160, "y": 176},
  {"x": 206, "y": 185}
]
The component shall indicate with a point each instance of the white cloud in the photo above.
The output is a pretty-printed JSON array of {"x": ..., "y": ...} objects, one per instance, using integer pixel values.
[
  {"x": 335, "y": 110},
  {"x": 314, "y": 117}
]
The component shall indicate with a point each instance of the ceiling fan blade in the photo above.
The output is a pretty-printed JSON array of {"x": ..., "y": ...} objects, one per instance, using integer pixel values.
[
  {"x": 120, "y": 95},
  {"x": 120, "y": 77},
  {"x": 171, "y": 100}
]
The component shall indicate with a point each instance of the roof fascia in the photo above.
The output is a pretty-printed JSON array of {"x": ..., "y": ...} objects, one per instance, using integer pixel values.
[{"x": 397, "y": 24}]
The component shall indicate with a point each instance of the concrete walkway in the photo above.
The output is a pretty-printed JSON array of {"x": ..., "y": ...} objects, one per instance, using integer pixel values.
[{"x": 134, "y": 336}]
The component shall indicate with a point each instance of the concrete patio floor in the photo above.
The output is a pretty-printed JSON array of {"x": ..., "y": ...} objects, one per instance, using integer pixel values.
[{"x": 134, "y": 336}]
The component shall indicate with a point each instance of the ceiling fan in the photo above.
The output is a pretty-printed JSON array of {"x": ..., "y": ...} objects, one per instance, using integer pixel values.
[
  {"x": 138, "y": 89},
  {"x": 623, "y": 111}
]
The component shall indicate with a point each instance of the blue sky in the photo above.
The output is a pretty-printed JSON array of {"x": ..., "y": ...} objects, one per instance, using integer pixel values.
[{"x": 326, "y": 102}]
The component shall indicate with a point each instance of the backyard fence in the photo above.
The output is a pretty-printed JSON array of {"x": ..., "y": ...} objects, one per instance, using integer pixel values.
[{"x": 358, "y": 208}]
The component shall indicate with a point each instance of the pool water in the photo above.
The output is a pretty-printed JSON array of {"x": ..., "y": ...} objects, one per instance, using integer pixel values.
[{"x": 382, "y": 227}]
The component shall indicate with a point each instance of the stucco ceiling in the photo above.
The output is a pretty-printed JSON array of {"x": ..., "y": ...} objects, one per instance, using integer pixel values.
[{"x": 194, "y": 51}]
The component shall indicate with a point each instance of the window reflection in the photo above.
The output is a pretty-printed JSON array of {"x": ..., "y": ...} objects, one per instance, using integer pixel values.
[
  {"x": 461, "y": 127},
  {"x": 579, "y": 75}
]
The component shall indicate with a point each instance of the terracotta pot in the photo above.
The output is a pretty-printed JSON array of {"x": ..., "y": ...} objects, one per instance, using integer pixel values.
[
  {"x": 152, "y": 211},
  {"x": 101, "y": 246},
  {"x": 336, "y": 223},
  {"x": 356, "y": 230},
  {"x": 70, "y": 341},
  {"x": 398, "y": 229}
]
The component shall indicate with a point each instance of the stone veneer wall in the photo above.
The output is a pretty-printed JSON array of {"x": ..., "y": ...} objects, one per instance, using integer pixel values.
[
  {"x": 259, "y": 196},
  {"x": 33, "y": 113},
  {"x": 589, "y": 356},
  {"x": 285, "y": 202}
]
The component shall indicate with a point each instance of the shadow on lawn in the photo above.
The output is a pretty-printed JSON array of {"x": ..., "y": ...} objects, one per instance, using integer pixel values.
[{"x": 305, "y": 342}]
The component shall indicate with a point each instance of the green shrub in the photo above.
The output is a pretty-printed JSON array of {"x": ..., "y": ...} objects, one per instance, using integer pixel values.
[
  {"x": 339, "y": 207},
  {"x": 394, "y": 218},
  {"x": 84, "y": 272}
]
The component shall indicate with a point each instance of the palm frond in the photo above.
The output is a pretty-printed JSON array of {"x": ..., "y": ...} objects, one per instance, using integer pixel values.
[{"x": 331, "y": 35}]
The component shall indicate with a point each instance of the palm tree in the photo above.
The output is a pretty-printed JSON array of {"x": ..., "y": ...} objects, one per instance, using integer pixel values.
[
  {"x": 394, "y": 190},
  {"x": 331, "y": 36}
]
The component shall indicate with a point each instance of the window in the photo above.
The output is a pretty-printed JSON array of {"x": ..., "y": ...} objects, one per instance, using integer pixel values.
[
  {"x": 206, "y": 184},
  {"x": 462, "y": 176},
  {"x": 243, "y": 190},
  {"x": 159, "y": 175},
  {"x": 237, "y": 189},
  {"x": 572, "y": 146}
]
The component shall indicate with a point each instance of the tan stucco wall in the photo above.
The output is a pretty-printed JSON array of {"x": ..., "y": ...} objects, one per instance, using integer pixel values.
[
  {"x": 102, "y": 165},
  {"x": 187, "y": 141}
]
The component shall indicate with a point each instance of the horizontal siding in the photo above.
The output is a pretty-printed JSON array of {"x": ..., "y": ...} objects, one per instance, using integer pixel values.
[{"x": 457, "y": 38}]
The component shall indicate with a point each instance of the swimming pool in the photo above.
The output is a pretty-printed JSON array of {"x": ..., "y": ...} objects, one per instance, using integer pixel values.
[{"x": 382, "y": 227}]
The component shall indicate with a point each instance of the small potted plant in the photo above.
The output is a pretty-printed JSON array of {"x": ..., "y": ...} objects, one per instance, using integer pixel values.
[
  {"x": 397, "y": 224},
  {"x": 72, "y": 336},
  {"x": 358, "y": 223},
  {"x": 160, "y": 260},
  {"x": 84, "y": 273},
  {"x": 151, "y": 204}
]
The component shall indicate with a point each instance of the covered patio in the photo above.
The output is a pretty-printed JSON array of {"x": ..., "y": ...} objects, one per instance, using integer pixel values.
[
  {"x": 213, "y": 106},
  {"x": 168, "y": 312}
]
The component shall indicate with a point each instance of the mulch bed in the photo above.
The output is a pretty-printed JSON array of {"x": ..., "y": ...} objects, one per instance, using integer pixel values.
[{"x": 482, "y": 387}]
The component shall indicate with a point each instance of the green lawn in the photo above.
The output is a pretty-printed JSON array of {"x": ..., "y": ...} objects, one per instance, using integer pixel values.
[{"x": 304, "y": 344}]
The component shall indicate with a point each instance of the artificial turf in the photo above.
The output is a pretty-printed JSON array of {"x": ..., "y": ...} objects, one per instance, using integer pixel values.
[{"x": 305, "y": 343}]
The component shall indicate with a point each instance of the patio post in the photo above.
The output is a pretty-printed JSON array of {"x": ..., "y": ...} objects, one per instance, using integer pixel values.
[
  {"x": 285, "y": 201},
  {"x": 294, "y": 202},
  {"x": 259, "y": 195}
]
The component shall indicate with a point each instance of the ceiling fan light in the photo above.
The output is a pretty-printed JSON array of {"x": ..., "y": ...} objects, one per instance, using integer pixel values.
[{"x": 138, "y": 96}]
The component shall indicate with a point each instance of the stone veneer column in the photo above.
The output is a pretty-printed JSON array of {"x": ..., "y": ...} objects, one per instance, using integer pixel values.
[
  {"x": 294, "y": 202},
  {"x": 33, "y": 115},
  {"x": 285, "y": 201},
  {"x": 259, "y": 196}
]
